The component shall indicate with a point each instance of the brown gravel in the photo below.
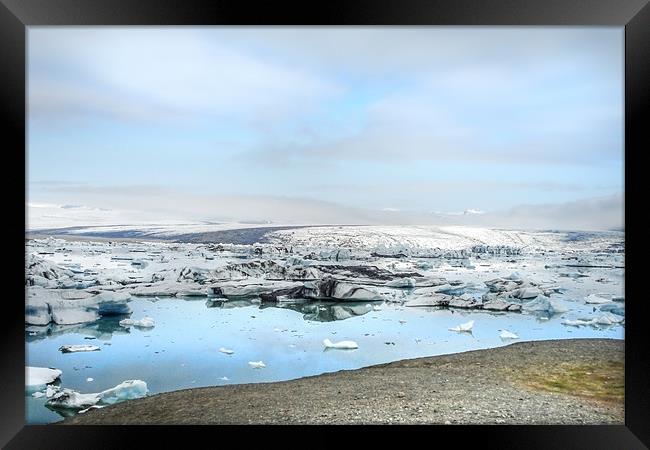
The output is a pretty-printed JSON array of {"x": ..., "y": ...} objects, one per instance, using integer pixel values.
[{"x": 477, "y": 387}]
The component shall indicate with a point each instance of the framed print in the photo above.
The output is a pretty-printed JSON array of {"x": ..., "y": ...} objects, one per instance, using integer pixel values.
[{"x": 360, "y": 213}]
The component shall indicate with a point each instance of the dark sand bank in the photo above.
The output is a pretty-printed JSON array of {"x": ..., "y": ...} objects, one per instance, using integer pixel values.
[{"x": 576, "y": 381}]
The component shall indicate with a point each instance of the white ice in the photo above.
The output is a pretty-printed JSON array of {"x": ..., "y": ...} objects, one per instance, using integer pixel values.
[
  {"x": 463, "y": 327},
  {"x": 595, "y": 299},
  {"x": 127, "y": 390},
  {"x": 145, "y": 322},
  {"x": 505, "y": 334},
  {"x": 341, "y": 344},
  {"x": 256, "y": 364},
  {"x": 40, "y": 376}
]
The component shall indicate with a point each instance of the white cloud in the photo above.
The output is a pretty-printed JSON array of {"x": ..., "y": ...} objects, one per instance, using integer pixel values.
[{"x": 148, "y": 74}]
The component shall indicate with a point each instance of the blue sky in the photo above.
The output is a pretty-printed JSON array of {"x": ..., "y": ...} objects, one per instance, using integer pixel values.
[{"x": 357, "y": 120}]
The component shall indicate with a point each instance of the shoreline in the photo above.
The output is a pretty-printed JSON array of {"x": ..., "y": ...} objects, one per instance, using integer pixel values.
[{"x": 503, "y": 385}]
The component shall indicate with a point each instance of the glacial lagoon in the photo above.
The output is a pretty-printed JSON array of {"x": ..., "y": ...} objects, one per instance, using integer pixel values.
[{"x": 190, "y": 344}]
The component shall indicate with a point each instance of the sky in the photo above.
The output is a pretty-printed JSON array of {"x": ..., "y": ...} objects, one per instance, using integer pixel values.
[{"x": 508, "y": 126}]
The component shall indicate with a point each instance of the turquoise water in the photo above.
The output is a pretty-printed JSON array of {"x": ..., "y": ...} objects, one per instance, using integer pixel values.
[{"x": 182, "y": 350}]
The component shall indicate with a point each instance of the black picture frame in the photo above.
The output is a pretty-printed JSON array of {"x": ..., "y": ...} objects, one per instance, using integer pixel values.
[{"x": 634, "y": 15}]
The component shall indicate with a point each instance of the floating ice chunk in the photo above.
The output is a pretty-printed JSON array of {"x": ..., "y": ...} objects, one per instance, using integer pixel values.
[
  {"x": 608, "y": 319},
  {"x": 514, "y": 276},
  {"x": 145, "y": 322},
  {"x": 89, "y": 379},
  {"x": 557, "y": 306},
  {"x": 614, "y": 308},
  {"x": 127, "y": 390},
  {"x": 40, "y": 376},
  {"x": 227, "y": 351},
  {"x": 505, "y": 334},
  {"x": 594, "y": 299},
  {"x": 604, "y": 320},
  {"x": 38, "y": 394},
  {"x": 78, "y": 348},
  {"x": 51, "y": 390},
  {"x": 463, "y": 327},
  {"x": 528, "y": 292},
  {"x": 576, "y": 323},
  {"x": 451, "y": 290},
  {"x": 401, "y": 283},
  {"x": 256, "y": 364},
  {"x": 376, "y": 308},
  {"x": 112, "y": 303},
  {"x": 70, "y": 306},
  {"x": 541, "y": 303},
  {"x": 224, "y": 379},
  {"x": 342, "y": 344},
  {"x": 37, "y": 310},
  {"x": 67, "y": 316}
]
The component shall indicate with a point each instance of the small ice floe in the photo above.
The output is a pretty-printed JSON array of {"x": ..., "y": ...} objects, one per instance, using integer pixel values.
[
  {"x": 505, "y": 334},
  {"x": 69, "y": 399},
  {"x": 145, "y": 322},
  {"x": 224, "y": 379},
  {"x": 78, "y": 348},
  {"x": 38, "y": 394},
  {"x": 40, "y": 376},
  {"x": 341, "y": 344},
  {"x": 594, "y": 299},
  {"x": 227, "y": 351},
  {"x": 576, "y": 323},
  {"x": 90, "y": 380},
  {"x": 376, "y": 308},
  {"x": 256, "y": 364},
  {"x": 463, "y": 327},
  {"x": 608, "y": 319},
  {"x": 604, "y": 320}
]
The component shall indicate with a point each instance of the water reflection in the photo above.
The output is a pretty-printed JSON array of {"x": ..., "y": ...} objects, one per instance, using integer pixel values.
[{"x": 102, "y": 329}]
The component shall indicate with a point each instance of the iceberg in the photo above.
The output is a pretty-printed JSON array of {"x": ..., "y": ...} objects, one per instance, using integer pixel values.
[
  {"x": 464, "y": 326},
  {"x": 614, "y": 308},
  {"x": 226, "y": 351},
  {"x": 505, "y": 334},
  {"x": 256, "y": 364},
  {"x": 145, "y": 322},
  {"x": 405, "y": 283},
  {"x": 342, "y": 344},
  {"x": 38, "y": 377},
  {"x": 606, "y": 319},
  {"x": 577, "y": 322},
  {"x": 541, "y": 303},
  {"x": 72, "y": 306},
  {"x": 69, "y": 399}
]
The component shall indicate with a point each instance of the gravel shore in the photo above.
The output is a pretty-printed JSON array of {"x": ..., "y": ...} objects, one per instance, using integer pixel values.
[{"x": 492, "y": 386}]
